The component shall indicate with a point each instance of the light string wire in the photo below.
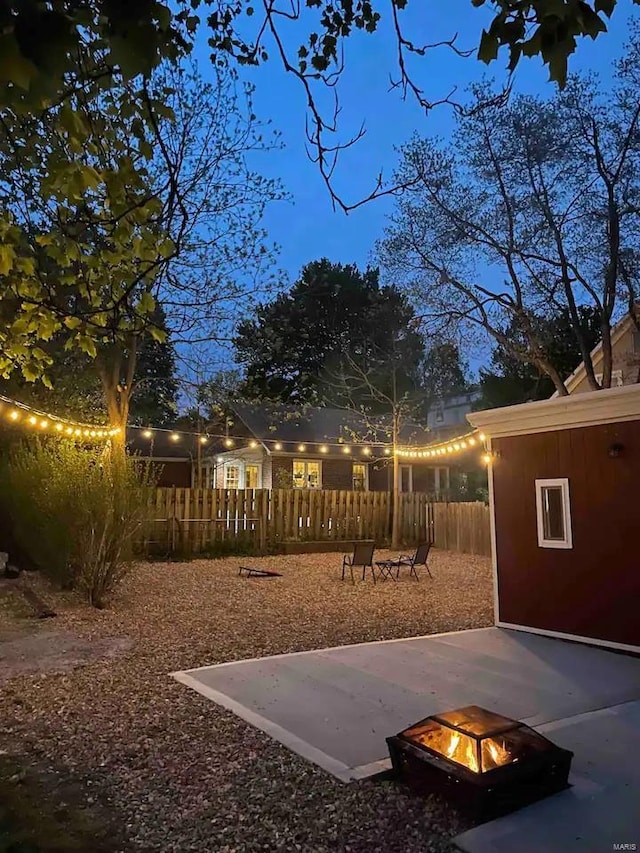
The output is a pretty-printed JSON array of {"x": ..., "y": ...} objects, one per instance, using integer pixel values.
[{"x": 20, "y": 414}]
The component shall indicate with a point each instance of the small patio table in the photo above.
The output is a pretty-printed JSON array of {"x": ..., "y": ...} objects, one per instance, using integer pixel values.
[{"x": 385, "y": 569}]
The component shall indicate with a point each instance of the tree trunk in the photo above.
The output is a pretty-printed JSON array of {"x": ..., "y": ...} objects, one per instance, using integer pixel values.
[
  {"x": 395, "y": 524},
  {"x": 117, "y": 390}
]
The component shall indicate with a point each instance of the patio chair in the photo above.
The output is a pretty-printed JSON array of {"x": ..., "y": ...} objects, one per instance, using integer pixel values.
[
  {"x": 362, "y": 557},
  {"x": 418, "y": 559}
]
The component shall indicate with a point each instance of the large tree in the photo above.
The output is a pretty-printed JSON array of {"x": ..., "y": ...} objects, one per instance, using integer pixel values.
[
  {"x": 186, "y": 237},
  {"x": 444, "y": 374},
  {"x": 509, "y": 380},
  {"x": 528, "y": 213},
  {"x": 295, "y": 347},
  {"x": 77, "y": 392}
]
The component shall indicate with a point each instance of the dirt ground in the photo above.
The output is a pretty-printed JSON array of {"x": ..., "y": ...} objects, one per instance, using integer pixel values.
[{"x": 87, "y": 697}]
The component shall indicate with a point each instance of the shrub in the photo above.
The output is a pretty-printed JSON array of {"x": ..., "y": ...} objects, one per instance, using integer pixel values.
[{"x": 77, "y": 513}]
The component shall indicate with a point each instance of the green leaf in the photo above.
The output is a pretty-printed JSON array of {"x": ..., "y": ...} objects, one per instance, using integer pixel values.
[
  {"x": 557, "y": 61},
  {"x": 87, "y": 345},
  {"x": 72, "y": 323},
  {"x": 606, "y": 6},
  {"x": 157, "y": 334},
  {"x": 7, "y": 256},
  {"x": 147, "y": 303},
  {"x": 488, "y": 50},
  {"x": 14, "y": 67}
]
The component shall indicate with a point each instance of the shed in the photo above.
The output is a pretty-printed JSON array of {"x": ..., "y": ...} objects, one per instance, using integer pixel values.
[{"x": 564, "y": 489}]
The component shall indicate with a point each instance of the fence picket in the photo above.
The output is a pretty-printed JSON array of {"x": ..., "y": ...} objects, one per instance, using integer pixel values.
[{"x": 197, "y": 519}]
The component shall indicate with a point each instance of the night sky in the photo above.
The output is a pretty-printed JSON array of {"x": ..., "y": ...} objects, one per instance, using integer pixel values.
[{"x": 308, "y": 228}]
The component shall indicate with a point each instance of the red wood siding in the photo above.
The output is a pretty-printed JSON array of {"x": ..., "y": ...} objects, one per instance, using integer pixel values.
[{"x": 593, "y": 589}]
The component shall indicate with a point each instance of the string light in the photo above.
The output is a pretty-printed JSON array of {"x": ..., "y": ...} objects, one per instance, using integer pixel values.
[
  {"x": 445, "y": 448},
  {"x": 52, "y": 423}
]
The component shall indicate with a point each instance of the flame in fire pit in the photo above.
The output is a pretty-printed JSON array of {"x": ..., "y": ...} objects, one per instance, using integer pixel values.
[
  {"x": 494, "y": 754},
  {"x": 462, "y": 751}
]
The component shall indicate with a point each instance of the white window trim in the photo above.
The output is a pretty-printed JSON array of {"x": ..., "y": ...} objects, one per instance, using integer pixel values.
[
  {"x": 410, "y": 489},
  {"x": 233, "y": 463},
  {"x": 249, "y": 464},
  {"x": 306, "y": 461},
  {"x": 567, "y": 542},
  {"x": 366, "y": 474}
]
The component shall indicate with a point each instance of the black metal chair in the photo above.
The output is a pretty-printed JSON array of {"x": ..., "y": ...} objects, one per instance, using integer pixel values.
[
  {"x": 362, "y": 557},
  {"x": 418, "y": 559}
]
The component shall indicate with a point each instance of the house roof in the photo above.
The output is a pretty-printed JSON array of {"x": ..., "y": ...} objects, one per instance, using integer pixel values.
[
  {"x": 609, "y": 405},
  {"x": 161, "y": 445},
  {"x": 623, "y": 326},
  {"x": 320, "y": 424}
]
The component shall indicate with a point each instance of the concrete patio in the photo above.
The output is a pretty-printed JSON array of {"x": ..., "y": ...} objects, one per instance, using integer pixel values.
[{"x": 336, "y": 706}]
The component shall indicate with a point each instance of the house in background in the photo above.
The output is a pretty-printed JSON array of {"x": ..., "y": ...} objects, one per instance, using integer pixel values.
[
  {"x": 322, "y": 448},
  {"x": 563, "y": 485},
  {"x": 449, "y": 414},
  {"x": 625, "y": 346},
  {"x": 174, "y": 456}
]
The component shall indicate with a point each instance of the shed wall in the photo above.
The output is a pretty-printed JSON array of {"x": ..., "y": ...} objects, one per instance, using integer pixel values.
[{"x": 593, "y": 589}]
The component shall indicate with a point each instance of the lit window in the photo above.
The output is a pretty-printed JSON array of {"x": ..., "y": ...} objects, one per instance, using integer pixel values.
[
  {"x": 306, "y": 474},
  {"x": 252, "y": 477},
  {"x": 554, "y": 513},
  {"x": 231, "y": 476},
  {"x": 359, "y": 477}
]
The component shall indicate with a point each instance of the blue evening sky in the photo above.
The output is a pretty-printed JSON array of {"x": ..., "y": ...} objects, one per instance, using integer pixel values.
[{"x": 308, "y": 228}]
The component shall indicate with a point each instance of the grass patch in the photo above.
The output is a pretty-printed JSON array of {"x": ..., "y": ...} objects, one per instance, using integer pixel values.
[{"x": 38, "y": 814}]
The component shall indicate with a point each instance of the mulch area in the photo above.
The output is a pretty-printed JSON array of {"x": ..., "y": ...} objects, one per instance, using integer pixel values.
[{"x": 176, "y": 772}]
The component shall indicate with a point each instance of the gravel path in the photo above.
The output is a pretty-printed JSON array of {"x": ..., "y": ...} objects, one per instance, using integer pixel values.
[{"x": 180, "y": 774}]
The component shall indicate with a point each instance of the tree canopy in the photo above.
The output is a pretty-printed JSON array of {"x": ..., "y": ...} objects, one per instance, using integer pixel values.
[
  {"x": 179, "y": 224},
  {"x": 296, "y": 347},
  {"x": 530, "y": 212},
  {"x": 53, "y": 51},
  {"x": 76, "y": 391},
  {"x": 508, "y": 380},
  {"x": 444, "y": 374}
]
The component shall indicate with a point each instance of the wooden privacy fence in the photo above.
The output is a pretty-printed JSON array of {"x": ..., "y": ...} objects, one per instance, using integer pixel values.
[
  {"x": 462, "y": 527},
  {"x": 197, "y": 520}
]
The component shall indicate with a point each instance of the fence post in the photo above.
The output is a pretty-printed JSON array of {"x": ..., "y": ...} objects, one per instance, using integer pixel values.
[{"x": 264, "y": 518}]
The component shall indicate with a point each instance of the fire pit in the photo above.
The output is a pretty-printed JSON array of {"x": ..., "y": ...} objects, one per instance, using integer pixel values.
[{"x": 487, "y": 763}]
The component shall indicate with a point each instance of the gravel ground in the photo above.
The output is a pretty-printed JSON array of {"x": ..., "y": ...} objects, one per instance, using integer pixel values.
[{"x": 180, "y": 774}]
